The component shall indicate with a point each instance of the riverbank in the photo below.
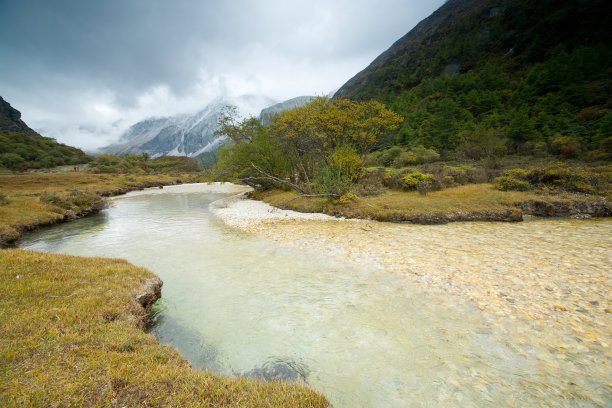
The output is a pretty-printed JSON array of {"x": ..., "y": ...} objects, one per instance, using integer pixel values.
[
  {"x": 32, "y": 201},
  {"x": 71, "y": 335},
  {"x": 472, "y": 202}
]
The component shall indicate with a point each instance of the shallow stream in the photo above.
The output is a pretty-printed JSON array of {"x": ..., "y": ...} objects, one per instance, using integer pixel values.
[{"x": 241, "y": 304}]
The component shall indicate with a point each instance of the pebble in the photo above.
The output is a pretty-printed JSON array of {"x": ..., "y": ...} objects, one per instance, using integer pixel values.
[{"x": 541, "y": 280}]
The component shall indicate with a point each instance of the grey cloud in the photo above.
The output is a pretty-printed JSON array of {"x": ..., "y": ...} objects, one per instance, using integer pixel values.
[{"x": 61, "y": 58}]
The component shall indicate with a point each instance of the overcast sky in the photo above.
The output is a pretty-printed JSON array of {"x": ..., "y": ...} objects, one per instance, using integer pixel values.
[{"x": 82, "y": 71}]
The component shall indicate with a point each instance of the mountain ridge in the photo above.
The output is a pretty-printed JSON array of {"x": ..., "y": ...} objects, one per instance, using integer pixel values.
[{"x": 183, "y": 134}]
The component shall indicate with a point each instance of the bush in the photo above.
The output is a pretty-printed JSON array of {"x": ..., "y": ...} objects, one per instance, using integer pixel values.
[
  {"x": 605, "y": 145},
  {"x": 76, "y": 201},
  {"x": 557, "y": 178},
  {"x": 421, "y": 182},
  {"x": 12, "y": 161},
  {"x": 372, "y": 183},
  {"x": 506, "y": 183},
  {"x": 564, "y": 146},
  {"x": 598, "y": 155},
  {"x": 405, "y": 159},
  {"x": 427, "y": 185},
  {"x": 398, "y": 157},
  {"x": 346, "y": 199},
  {"x": 417, "y": 155},
  {"x": 3, "y": 199},
  {"x": 465, "y": 174},
  {"x": 342, "y": 171}
]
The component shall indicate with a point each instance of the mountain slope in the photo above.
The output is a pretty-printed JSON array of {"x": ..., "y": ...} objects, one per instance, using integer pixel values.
[
  {"x": 266, "y": 114},
  {"x": 182, "y": 135},
  {"x": 499, "y": 76},
  {"x": 22, "y": 148}
]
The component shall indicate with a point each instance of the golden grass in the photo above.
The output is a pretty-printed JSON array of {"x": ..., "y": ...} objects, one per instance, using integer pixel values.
[
  {"x": 467, "y": 202},
  {"x": 24, "y": 210},
  {"x": 67, "y": 338}
]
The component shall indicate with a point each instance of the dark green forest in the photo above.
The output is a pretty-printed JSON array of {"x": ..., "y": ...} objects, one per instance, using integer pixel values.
[{"x": 526, "y": 77}]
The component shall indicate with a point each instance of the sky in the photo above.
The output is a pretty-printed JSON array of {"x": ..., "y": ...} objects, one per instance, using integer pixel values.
[{"x": 83, "y": 71}]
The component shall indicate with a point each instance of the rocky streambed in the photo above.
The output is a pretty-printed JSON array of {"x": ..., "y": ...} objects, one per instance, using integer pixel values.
[{"x": 545, "y": 283}]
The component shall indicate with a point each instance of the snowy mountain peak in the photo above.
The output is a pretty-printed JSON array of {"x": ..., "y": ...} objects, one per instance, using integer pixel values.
[{"x": 184, "y": 135}]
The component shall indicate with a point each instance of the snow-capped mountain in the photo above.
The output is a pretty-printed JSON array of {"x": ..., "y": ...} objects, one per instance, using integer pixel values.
[
  {"x": 183, "y": 135},
  {"x": 267, "y": 113}
]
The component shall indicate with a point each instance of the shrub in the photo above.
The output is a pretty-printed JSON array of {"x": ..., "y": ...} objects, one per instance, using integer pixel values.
[
  {"x": 598, "y": 155},
  {"x": 465, "y": 174},
  {"x": 517, "y": 173},
  {"x": 3, "y": 199},
  {"x": 421, "y": 182},
  {"x": 605, "y": 145},
  {"x": 506, "y": 183},
  {"x": 426, "y": 155},
  {"x": 75, "y": 200},
  {"x": 372, "y": 183},
  {"x": 346, "y": 199},
  {"x": 427, "y": 185},
  {"x": 564, "y": 146},
  {"x": 405, "y": 159},
  {"x": 11, "y": 160},
  {"x": 417, "y": 155},
  {"x": 342, "y": 171},
  {"x": 557, "y": 178}
]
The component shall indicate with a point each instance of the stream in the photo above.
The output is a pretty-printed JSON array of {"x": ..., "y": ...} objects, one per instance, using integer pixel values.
[{"x": 241, "y": 304}]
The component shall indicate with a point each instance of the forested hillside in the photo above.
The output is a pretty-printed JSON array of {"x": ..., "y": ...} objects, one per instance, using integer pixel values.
[
  {"x": 22, "y": 148},
  {"x": 485, "y": 78}
]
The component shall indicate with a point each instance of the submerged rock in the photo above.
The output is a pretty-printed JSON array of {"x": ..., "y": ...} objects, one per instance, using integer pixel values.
[{"x": 279, "y": 370}]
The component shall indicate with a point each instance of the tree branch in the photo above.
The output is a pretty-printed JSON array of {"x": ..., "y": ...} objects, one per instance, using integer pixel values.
[{"x": 276, "y": 179}]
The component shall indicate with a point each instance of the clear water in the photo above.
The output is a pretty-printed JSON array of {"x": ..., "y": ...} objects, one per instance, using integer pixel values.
[{"x": 239, "y": 304}]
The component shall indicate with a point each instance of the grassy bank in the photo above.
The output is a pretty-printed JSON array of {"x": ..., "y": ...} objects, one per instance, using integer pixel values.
[
  {"x": 33, "y": 200},
  {"x": 69, "y": 336},
  {"x": 471, "y": 202}
]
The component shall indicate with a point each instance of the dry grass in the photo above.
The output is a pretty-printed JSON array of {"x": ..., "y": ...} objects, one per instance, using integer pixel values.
[
  {"x": 468, "y": 202},
  {"x": 22, "y": 208},
  {"x": 67, "y": 338}
]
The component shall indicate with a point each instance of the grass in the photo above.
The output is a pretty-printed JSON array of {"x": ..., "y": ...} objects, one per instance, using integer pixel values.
[
  {"x": 68, "y": 338},
  {"x": 34, "y": 200},
  {"x": 461, "y": 203}
]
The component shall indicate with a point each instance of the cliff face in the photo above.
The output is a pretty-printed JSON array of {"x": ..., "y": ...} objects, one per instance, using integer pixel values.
[{"x": 10, "y": 119}]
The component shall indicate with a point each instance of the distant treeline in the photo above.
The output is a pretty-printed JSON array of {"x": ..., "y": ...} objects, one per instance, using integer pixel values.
[{"x": 142, "y": 164}]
